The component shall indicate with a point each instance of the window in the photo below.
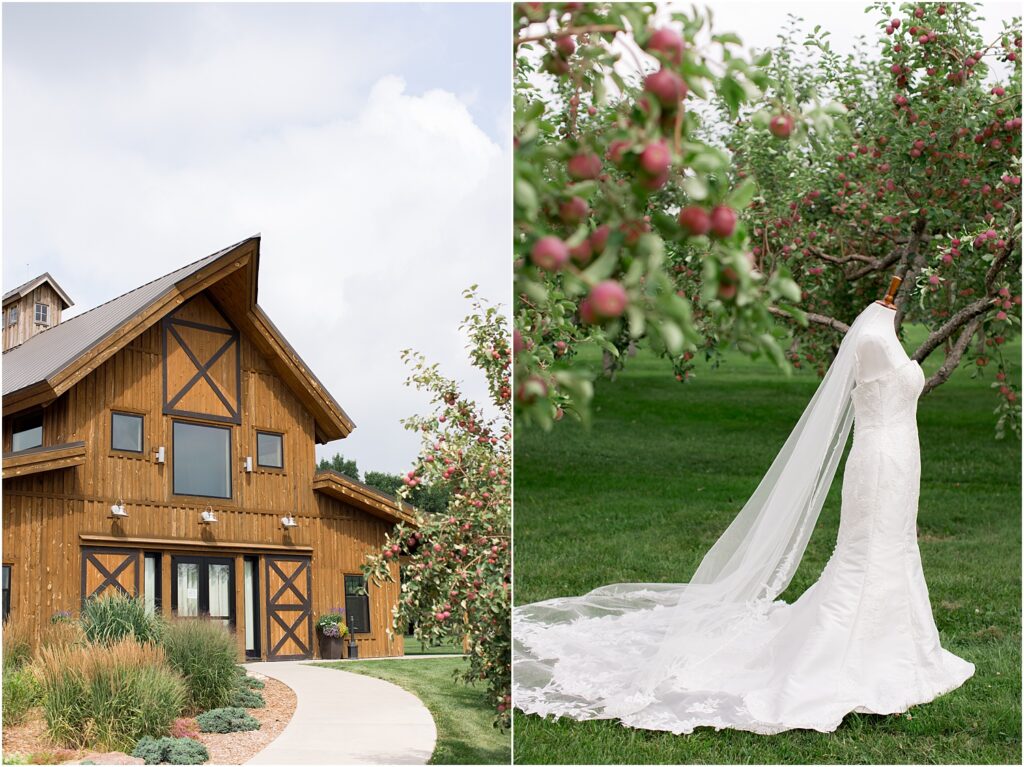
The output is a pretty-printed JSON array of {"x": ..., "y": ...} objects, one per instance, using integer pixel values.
[
  {"x": 357, "y": 604},
  {"x": 27, "y": 431},
  {"x": 151, "y": 582},
  {"x": 42, "y": 314},
  {"x": 12, "y": 315},
  {"x": 7, "y": 591},
  {"x": 202, "y": 460},
  {"x": 203, "y": 587},
  {"x": 269, "y": 449},
  {"x": 126, "y": 432}
]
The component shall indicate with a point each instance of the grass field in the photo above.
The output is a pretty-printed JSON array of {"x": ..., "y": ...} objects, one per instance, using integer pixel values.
[
  {"x": 645, "y": 492},
  {"x": 414, "y": 646},
  {"x": 465, "y": 734}
]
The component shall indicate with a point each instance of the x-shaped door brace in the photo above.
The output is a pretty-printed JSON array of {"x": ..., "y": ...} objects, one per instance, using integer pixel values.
[
  {"x": 202, "y": 370},
  {"x": 288, "y": 584},
  {"x": 110, "y": 578}
]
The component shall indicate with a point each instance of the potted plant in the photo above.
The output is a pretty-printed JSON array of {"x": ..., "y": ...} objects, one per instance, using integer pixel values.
[{"x": 331, "y": 629}]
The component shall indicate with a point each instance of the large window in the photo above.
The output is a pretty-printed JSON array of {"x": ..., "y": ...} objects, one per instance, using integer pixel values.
[
  {"x": 7, "y": 591},
  {"x": 126, "y": 432},
  {"x": 357, "y": 604},
  {"x": 12, "y": 315},
  {"x": 202, "y": 460},
  {"x": 27, "y": 431},
  {"x": 43, "y": 314},
  {"x": 269, "y": 450}
]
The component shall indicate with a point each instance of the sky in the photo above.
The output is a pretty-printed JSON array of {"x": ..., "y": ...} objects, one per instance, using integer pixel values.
[{"x": 369, "y": 145}]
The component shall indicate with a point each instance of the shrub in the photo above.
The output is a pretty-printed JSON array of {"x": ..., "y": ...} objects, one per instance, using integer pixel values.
[
  {"x": 61, "y": 634},
  {"x": 204, "y": 654},
  {"x": 252, "y": 682},
  {"x": 111, "y": 618},
  {"x": 108, "y": 696},
  {"x": 21, "y": 693},
  {"x": 184, "y": 728},
  {"x": 243, "y": 697},
  {"x": 18, "y": 640},
  {"x": 227, "y": 720},
  {"x": 171, "y": 751}
]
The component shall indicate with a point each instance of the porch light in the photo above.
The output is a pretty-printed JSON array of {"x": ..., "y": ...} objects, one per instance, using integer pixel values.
[
  {"x": 207, "y": 517},
  {"x": 288, "y": 522},
  {"x": 117, "y": 511}
]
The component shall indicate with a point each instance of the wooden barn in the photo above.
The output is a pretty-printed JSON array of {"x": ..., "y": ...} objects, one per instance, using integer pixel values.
[{"x": 162, "y": 445}]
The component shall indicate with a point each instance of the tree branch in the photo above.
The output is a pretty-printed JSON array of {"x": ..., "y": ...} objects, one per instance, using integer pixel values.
[
  {"x": 875, "y": 266},
  {"x": 968, "y": 314},
  {"x": 569, "y": 31},
  {"x": 975, "y": 309},
  {"x": 911, "y": 263},
  {"x": 953, "y": 357},
  {"x": 819, "y": 319}
]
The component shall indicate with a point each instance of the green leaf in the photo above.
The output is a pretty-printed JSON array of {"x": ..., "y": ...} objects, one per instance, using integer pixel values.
[
  {"x": 695, "y": 187},
  {"x": 741, "y": 196}
]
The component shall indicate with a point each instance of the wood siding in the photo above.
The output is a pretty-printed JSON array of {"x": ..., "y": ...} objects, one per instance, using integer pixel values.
[
  {"x": 46, "y": 514},
  {"x": 26, "y": 325}
]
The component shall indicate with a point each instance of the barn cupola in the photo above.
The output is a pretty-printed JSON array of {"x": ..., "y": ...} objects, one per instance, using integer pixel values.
[{"x": 32, "y": 308}]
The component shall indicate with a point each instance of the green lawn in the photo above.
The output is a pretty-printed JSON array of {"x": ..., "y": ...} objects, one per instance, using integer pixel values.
[
  {"x": 465, "y": 734},
  {"x": 645, "y": 492},
  {"x": 414, "y": 646}
]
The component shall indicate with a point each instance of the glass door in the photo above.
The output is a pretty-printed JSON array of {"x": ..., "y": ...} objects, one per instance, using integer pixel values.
[
  {"x": 251, "y": 599},
  {"x": 203, "y": 587}
]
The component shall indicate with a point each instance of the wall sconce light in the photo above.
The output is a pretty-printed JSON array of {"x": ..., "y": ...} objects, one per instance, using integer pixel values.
[
  {"x": 248, "y": 463},
  {"x": 207, "y": 517},
  {"x": 288, "y": 522},
  {"x": 160, "y": 454},
  {"x": 117, "y": 511}
]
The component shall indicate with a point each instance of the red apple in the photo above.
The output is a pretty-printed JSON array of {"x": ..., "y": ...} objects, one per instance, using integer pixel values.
[
  {"x": 549, "y": 253},
  {"x": 656, "y": 158},
  {"x": 694, "y": 220},
  {"x": 666, "y": 86},
  {"x": 667, "y": 42},
  {"x": 608, "y": 299},
  {"x": 723, "y": 221},
  {"x": 585, "y": 165}
]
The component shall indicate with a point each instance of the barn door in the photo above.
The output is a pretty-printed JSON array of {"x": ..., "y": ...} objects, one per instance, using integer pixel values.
[
  {"x": 289, "y": 607},
  {"x": 110, "y": 571}
]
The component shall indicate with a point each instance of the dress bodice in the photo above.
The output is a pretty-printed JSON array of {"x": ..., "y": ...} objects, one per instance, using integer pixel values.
[{"x": 889, "y": 400}]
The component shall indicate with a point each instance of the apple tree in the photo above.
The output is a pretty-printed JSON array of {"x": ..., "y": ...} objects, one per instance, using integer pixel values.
[
  {"x": 457, "y": 563},
  {"x": 923, "y": 182},
  {"x": 628, "y": 213}
]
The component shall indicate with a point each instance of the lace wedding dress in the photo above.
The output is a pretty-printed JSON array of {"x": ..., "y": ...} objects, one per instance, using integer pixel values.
[{"x": 722, "y": 651}]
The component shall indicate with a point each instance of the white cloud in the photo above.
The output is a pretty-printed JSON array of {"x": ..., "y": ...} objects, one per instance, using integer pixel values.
[{"x": 376, "y": 208}]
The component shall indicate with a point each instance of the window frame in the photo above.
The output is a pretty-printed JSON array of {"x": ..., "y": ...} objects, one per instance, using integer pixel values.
[
  {"x": 142, "y": 433},
  {"x": 5, "y": 608},
  {"x": 12, "y": 315},
  {"x": 265, "y": 466},
  {"x": 35, "y": 313},
  {"x": 230, "y": 497},
  {"x": 22, "y": 417},
  {"x": 365, "y": 596}
]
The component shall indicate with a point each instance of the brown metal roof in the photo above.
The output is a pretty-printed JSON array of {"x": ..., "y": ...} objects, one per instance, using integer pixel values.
[
  {"x": 35, "y": 282},
  {"x": 50, "y": 351}
]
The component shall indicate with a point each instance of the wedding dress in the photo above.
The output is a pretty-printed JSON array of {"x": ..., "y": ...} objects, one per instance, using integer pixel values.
[{"x": 722, "y": 651}]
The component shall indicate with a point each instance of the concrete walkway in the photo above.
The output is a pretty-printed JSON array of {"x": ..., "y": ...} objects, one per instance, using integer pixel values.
[{"x": 346, "y": 718}]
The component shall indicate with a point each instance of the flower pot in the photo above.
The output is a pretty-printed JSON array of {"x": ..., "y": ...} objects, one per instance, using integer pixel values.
[{"x": 330, "y": 647}]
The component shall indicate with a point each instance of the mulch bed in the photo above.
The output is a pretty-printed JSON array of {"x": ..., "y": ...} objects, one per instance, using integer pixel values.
[
  {"x": 240, "y": 747},
  {"x": 30, "y": 739}
]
